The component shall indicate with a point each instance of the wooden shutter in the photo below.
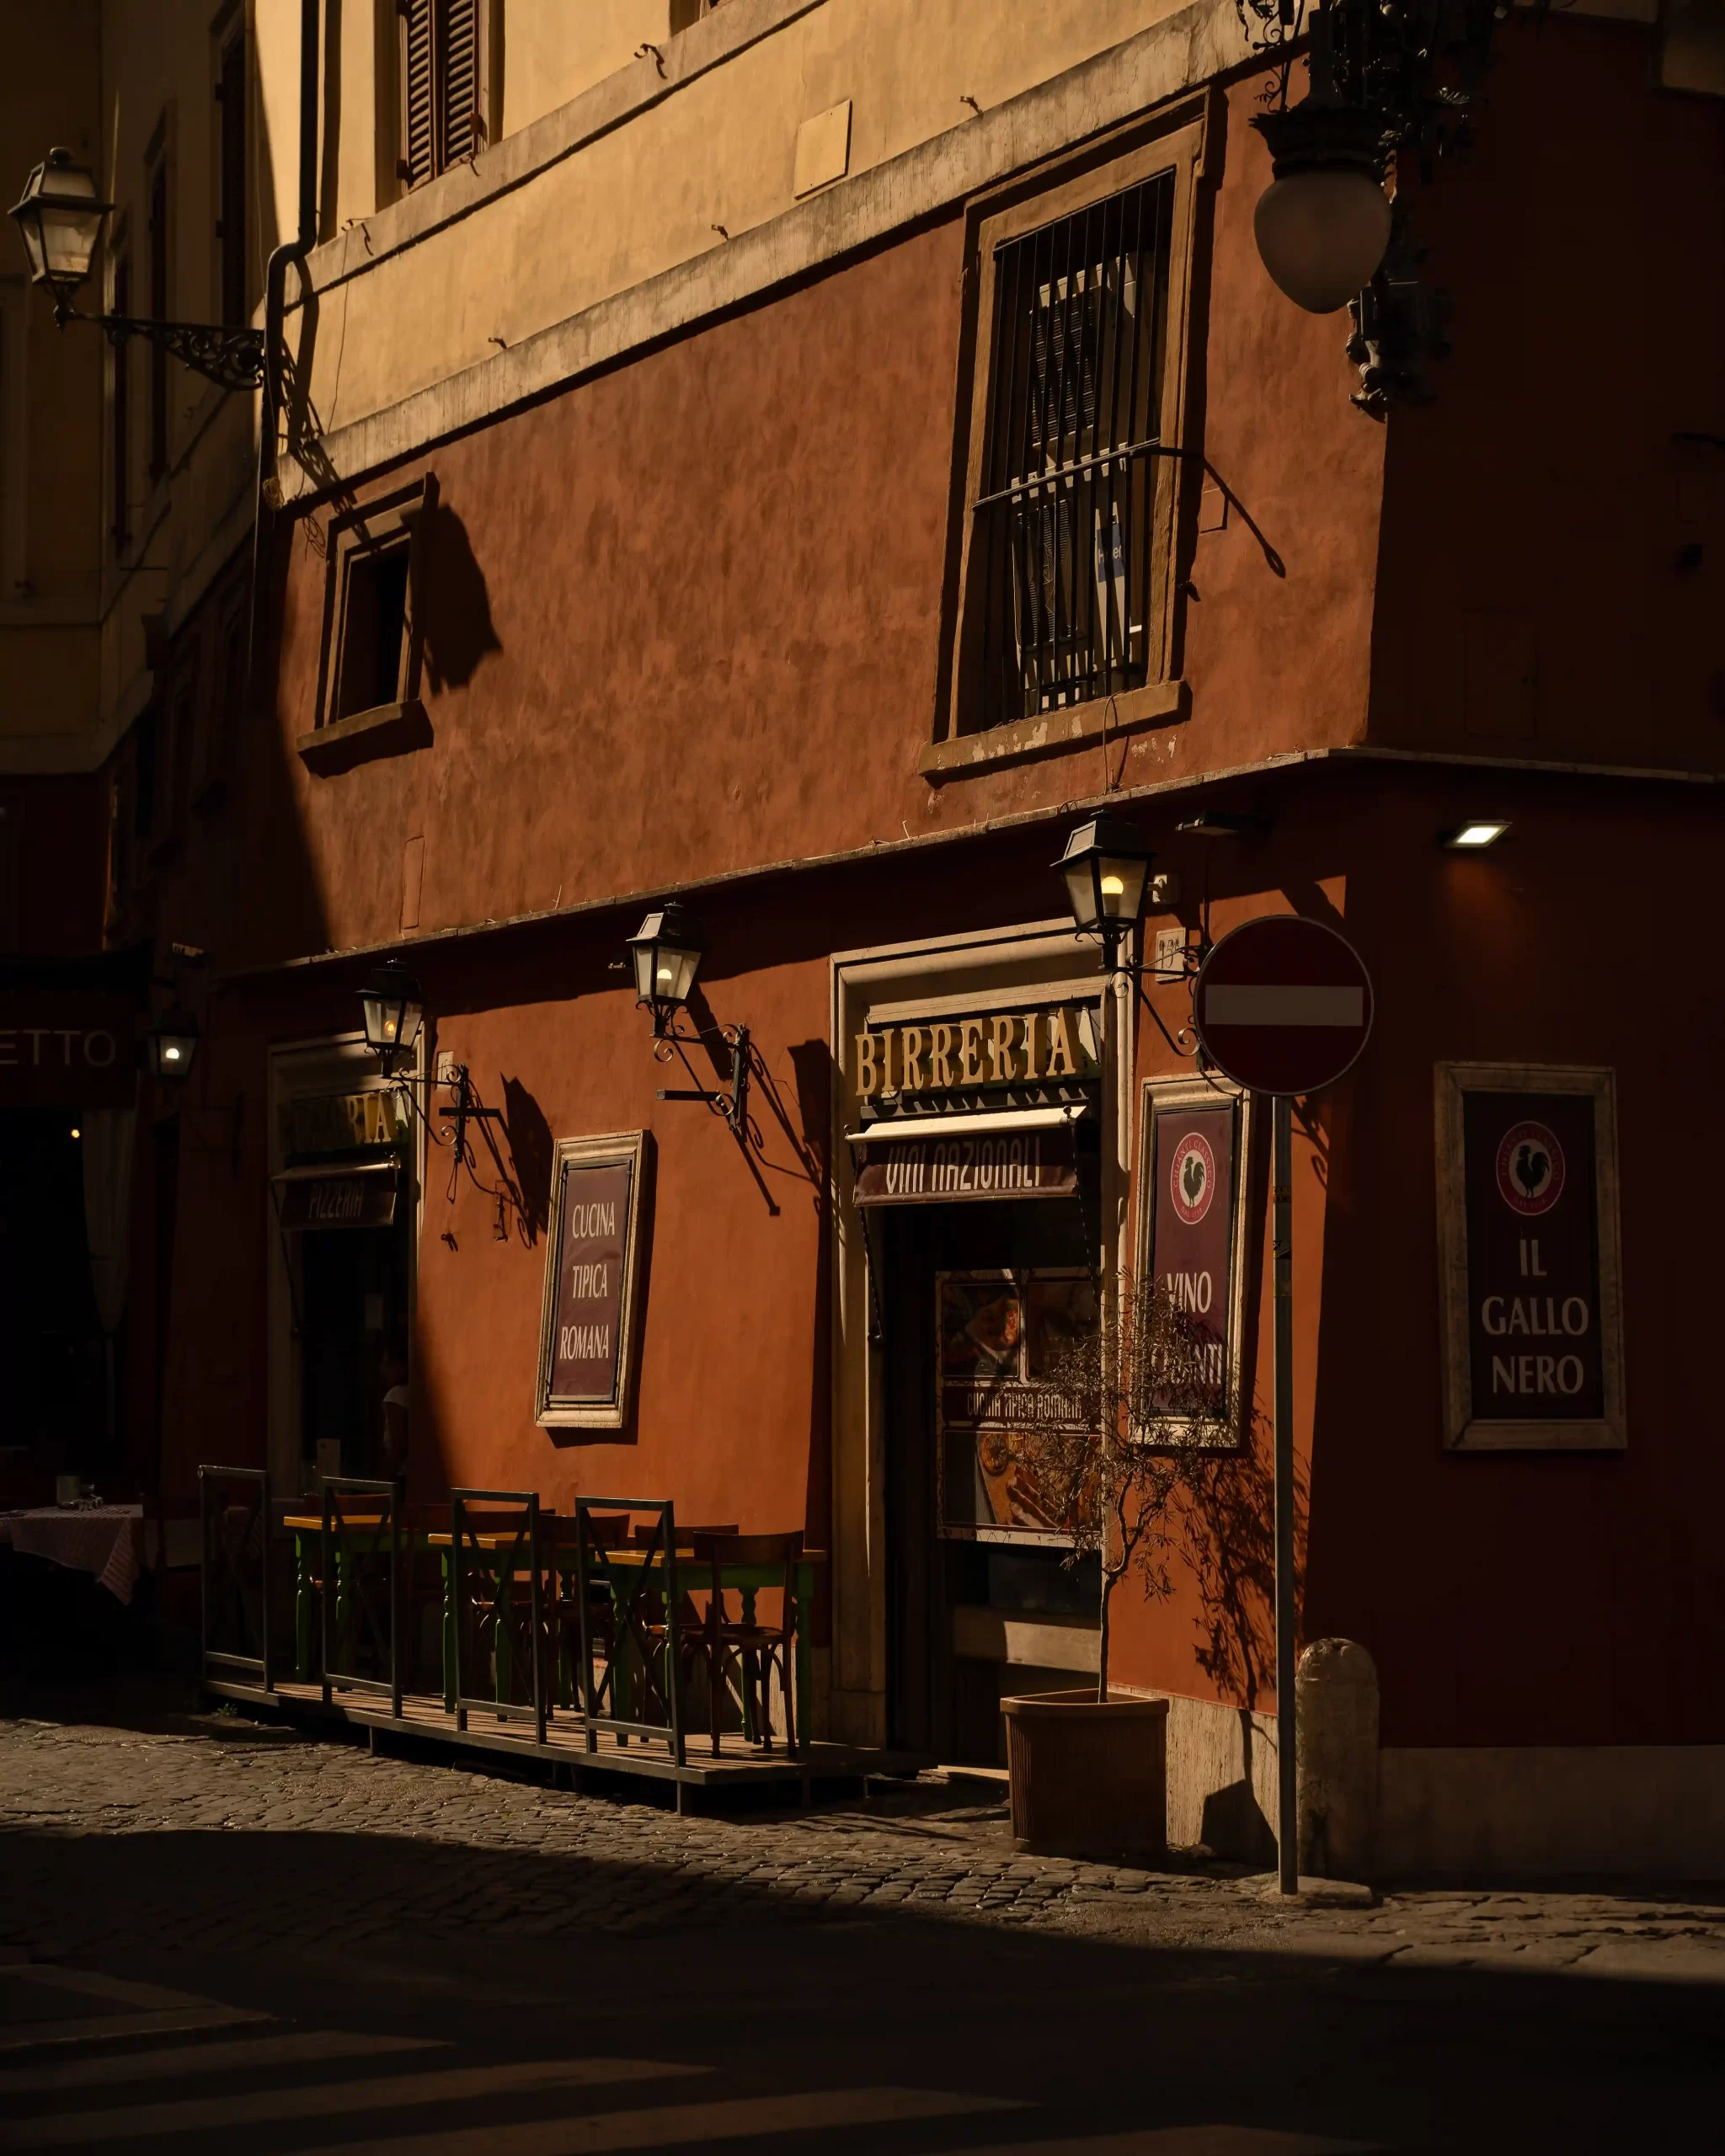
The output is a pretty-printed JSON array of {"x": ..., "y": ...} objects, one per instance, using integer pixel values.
[
  {"x": 443, "y": 84},
  {"x": 458, "y": 80},
  {"x": 416, "y": 75}
]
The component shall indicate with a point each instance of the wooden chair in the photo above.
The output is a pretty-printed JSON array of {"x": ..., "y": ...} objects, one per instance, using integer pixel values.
[{"x": 756, "y": 1649}]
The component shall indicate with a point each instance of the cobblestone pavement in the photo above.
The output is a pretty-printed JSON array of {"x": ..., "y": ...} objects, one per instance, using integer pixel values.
[{"x": 266, "y": 1838}]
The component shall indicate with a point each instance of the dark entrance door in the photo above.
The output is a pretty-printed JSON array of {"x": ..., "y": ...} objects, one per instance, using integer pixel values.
[
  {"x": 354, "y": 1318},
  {"x": 940, "y": 1702}
]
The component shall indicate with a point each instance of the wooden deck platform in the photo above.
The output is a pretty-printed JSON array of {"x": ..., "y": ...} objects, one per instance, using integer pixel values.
[{"x": 738, "y": 1765}]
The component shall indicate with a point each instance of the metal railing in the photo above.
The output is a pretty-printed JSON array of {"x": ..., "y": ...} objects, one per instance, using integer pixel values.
[
  {"x": 351, "y": 1550},
  {"x": 645, "y": 1641},
  {"x": 233, "y": 1574},
  {"x": 482, "y": 1587}
]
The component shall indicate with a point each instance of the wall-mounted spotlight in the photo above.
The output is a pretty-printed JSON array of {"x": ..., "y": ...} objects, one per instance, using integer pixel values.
[
  {"x": 1476, "y": 832},
  {"x": 1221, "y": 824}
]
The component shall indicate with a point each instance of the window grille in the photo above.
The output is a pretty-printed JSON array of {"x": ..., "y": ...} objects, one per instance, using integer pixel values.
[
  {"x": 1066, "y": 519},
  {"x": 443, "y": 84}
]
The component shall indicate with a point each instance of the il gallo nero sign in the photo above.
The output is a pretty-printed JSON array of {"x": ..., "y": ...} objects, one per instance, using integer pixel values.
[{"x": 1533, "y": 1258}]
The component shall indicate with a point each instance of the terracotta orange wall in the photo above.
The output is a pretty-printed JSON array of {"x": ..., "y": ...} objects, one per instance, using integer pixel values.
[
  {"x": 687, "y": 616},
  {"x": 1507, "y": 1598},
  {"x": 1542, "y": 494}
]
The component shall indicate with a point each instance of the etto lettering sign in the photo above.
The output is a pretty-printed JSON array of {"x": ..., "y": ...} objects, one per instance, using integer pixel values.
[
  {"x": 1530, "y": 1260},
  {"x": 591, "y": 1301},
  {"x": 1008, "y": 1048},
  {"x": 67, "y": 1050}
]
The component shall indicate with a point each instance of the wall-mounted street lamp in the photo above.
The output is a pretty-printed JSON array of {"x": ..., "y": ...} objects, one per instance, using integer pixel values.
[
  {"x": 171, "y": 1045},
  {"x": 392, "y": 1014},
  {"x": 1386, "y": 83},
  {"x": 392, "y": 1010},
  {"x": 1106, "y": 865},
  {"x": 59, "y": 215},
  {"x": 665, "y": 952}
]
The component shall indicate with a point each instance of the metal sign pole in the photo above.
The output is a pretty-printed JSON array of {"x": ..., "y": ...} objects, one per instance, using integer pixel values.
[{"x": 1282, "y": 1184}]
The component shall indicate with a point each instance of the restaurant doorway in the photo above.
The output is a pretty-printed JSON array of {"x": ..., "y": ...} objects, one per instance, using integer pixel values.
[
  {"x": 343, "y": 1192},
  {"x": 975, "y": 1611}
]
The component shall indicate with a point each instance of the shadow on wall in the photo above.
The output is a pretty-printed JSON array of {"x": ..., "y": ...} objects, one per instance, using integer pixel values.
[
  {"x": 1229, "y": 1543},
  {"x": 530, "y": 1146},
  {"x": 456, "y": 605}
]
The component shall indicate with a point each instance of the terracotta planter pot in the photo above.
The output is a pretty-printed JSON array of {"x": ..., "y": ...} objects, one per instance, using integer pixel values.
[{"x": 1089, "y": 1778}]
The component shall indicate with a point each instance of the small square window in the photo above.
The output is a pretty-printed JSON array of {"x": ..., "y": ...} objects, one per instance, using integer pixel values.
[
  {"x": 370, "y": 660},
  {"x": 374, "y": 637}
]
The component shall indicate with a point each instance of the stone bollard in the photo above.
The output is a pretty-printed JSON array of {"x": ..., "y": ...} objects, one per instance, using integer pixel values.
[{"x": 1338, "y": 1699}]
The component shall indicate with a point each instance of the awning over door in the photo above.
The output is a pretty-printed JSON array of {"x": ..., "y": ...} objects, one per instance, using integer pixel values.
[
  {"x": 360, "y": 1196},
  {"x": 943, "y": 1159}
]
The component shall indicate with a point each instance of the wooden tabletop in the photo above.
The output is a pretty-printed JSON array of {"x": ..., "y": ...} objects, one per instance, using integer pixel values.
[{"x": 304, "y": 1521}]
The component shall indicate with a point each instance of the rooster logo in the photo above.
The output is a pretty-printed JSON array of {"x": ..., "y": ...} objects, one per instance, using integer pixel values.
[
  {"x": 1530, "y": 1169},
  {"x": 1192, "y": 1184}
]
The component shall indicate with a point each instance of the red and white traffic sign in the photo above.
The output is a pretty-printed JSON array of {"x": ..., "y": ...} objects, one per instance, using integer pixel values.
[{"x": 1283, "y": 1005}]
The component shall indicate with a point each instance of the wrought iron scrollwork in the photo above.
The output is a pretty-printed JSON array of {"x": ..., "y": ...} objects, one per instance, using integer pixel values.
[
  {"x": 234, "y": 357},
  {"x": 1398, "y": 79}
]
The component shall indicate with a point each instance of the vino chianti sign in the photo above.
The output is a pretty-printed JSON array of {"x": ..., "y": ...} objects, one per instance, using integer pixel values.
[
  {"x": 1528, "y": 1197},
  {"x": 591, "y": 1315}
]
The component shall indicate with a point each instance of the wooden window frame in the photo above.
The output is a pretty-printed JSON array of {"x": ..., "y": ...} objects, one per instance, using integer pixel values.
[
  {"x": 1463, "y": 1431},
  {"x": 355, "y": 539},
  {"x": 1175, "y": 143},
  {"x": 443, "y": 158}
]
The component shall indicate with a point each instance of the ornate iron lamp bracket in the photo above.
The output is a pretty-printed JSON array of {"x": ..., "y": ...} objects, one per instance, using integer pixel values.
[{"x": 232, "y": 357}]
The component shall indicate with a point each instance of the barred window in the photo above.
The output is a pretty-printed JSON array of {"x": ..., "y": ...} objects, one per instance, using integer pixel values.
[
  {"x": 1064, "y": 524},
  {"x": 445, "y": 77}
]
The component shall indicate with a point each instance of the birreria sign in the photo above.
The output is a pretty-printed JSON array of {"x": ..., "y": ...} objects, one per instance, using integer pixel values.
[{"x": 1008, "y": 1048}]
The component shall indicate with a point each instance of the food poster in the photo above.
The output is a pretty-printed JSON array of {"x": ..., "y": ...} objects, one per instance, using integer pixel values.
[{"x": 997, "y": 1332}]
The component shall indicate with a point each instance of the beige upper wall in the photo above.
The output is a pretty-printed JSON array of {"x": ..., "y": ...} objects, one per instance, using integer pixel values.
[{"x": 556, "y": 217}]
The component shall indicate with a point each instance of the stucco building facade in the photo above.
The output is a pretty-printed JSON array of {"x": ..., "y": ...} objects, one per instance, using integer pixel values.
[{"x": 643, "y": 518}]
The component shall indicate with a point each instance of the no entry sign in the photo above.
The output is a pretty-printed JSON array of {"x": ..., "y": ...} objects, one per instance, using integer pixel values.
[{"x": 1283, "y": 1005}]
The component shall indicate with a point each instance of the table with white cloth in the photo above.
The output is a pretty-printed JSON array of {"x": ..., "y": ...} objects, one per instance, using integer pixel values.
[{"x": 105, "y": 1540}]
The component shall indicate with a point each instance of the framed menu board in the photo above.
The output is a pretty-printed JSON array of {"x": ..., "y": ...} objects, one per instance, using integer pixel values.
[
  {"x": 1193, "y": 1180},
  {"x": 1532, "y": 1291},
  {"x": 591, "y": 1319}
]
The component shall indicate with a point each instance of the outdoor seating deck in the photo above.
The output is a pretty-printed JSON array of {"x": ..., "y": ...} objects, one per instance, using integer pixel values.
[{"x": 739, "y": 1763}]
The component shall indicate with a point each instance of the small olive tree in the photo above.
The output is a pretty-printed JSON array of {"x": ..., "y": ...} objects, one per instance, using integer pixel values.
[{"x": 1110, "y": 1469}]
